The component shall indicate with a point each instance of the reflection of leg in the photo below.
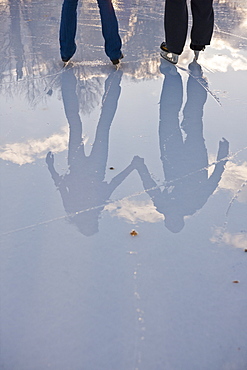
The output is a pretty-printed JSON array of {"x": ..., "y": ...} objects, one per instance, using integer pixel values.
[
  {"x": 196, "y": 98},
  {"x": 176, "y": 25},
  {"x": 99, "y": 152},
  {"x": 203, "y": 22},
  {"x": 195, "y": 150},
  {"x": 16, "y": 41},
  {"x": 170, "y": 136},
  {"x": 71, "y": 107},
  {"x": 110, "y": 29},
  {"x": 68, "y": 29}
]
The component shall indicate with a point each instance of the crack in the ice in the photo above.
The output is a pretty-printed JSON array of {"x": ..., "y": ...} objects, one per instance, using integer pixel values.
[
  {"x": 217, "y": 29},
  {"x": 235, "y": 197},
  {"x": 165, "y": 184},
  {"x": 198, "y": 79},
  {"x": 72, "y": 64},
  {"x": 55, "y": 75},
  {"x": 232, "y": 201}
]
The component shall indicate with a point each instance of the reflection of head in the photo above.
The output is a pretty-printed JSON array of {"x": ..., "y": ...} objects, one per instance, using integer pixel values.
[
  {"x": 174, "y": 222},
  {"x": 86, "y": 222}
]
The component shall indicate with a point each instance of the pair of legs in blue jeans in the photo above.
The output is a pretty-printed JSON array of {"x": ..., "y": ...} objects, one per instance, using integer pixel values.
[{"x": 109, "y": 29}]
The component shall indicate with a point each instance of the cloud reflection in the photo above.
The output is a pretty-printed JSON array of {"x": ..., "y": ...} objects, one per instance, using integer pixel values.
[
  {"x": 236, "y": 240},
  {"x": 29, "y": 151},
  {"x": 235, "y": 180},
  {"x": 222, "y": 55},
  {"x": 135, "y": 211}
]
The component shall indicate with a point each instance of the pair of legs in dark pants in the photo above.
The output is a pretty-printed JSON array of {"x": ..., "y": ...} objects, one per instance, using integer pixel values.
[
  {"x": 109, "y": 29},
  {"x": 176, "y": 24}
]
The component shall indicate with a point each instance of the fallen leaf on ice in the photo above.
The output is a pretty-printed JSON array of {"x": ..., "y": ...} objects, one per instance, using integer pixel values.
[{"x": 133, "y": 233}]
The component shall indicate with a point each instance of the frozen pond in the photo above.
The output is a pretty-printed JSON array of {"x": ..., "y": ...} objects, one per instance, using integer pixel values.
[{"x": 123, "y": 194}]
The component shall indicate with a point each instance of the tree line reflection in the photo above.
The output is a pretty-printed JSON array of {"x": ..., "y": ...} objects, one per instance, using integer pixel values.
[{"x": 30, "y": 50}]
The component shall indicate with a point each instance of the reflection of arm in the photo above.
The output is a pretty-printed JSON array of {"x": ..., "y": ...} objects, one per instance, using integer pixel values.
[
  {"x": 202, "y": 190},
  {"x": 50, "y": 162},
  {"x": 57, "y": 179},
  {"x": 148, "y": 183},
  {"x": 118, "y": 179},
  {"x": 223, "y": 152}
]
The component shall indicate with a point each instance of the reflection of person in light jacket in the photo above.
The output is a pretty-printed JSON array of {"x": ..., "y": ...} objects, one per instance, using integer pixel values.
[
  {"x": 185, "y": 161},
  {"x": 83, "y": 190}
]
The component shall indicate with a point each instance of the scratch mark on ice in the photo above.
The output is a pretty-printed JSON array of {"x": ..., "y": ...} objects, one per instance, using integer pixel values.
[{"x": 136, "y": 194}]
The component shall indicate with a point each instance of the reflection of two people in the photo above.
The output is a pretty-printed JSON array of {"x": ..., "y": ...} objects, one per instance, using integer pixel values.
[
  {"x": 185, "y": 161},
  {"x": 83, "y": 189}
]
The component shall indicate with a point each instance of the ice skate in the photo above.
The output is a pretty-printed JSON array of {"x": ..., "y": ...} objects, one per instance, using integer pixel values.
[
  {"x": 117, "y": 61},
  {"x": 197, "y": 49},
  {"x": 196, "y": 54},
  {"x": 168, "y": 55},
  {"x": 65, "y": 60},
  {"x": 67, "y": 52}
]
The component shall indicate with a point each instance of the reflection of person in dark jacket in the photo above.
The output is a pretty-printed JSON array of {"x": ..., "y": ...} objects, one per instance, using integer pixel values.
[
  {"x": 83, "y": 190},
  {"x": 185, "y": 161}
]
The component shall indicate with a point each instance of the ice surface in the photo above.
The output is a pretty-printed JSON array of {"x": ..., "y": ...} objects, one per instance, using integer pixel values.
[{"x": 88, "y": 154}]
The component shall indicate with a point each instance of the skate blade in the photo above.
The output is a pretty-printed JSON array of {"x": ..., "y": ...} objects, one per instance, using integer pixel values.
[{"x": 173, "y": 58}]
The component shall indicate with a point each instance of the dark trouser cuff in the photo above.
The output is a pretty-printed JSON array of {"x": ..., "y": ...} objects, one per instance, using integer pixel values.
[{"x": 197, "y": 47}]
